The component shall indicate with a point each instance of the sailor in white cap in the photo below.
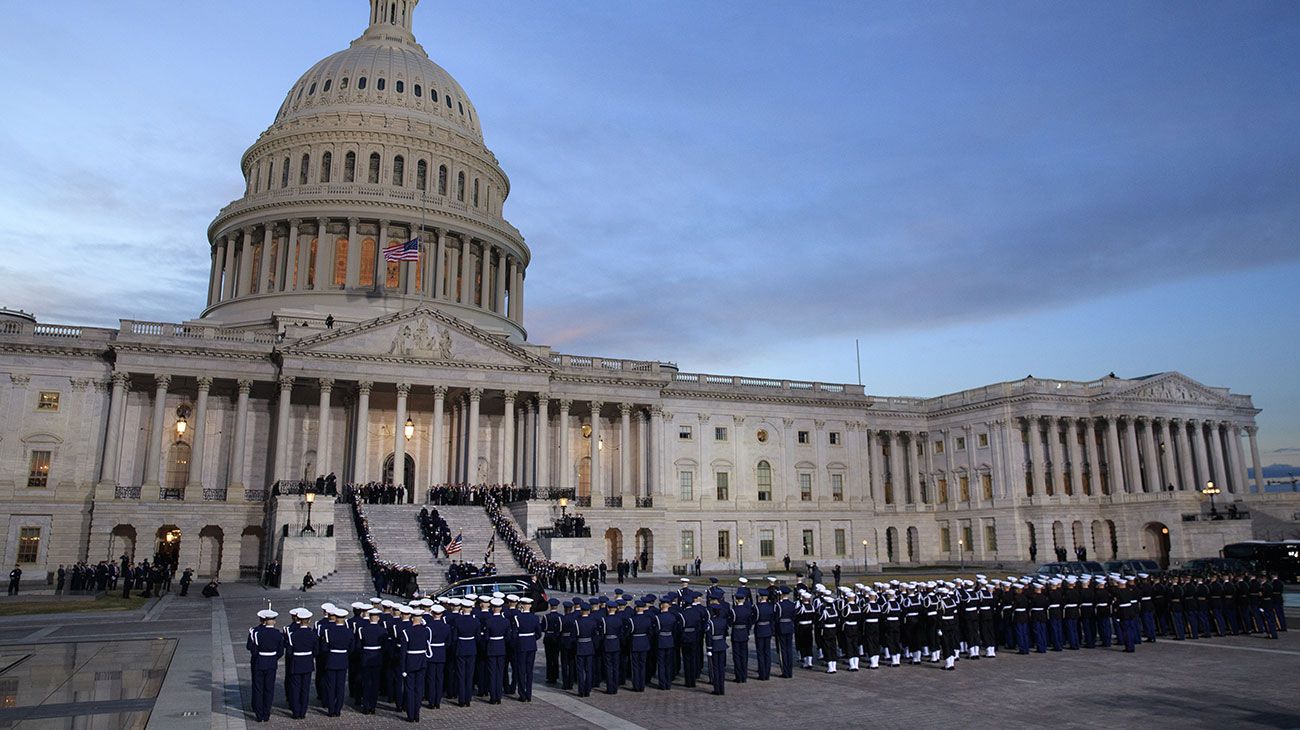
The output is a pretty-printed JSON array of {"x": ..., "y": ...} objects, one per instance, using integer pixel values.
[
  {"x": 369, "y": 644},
  {"x": 265, "y": 647},
  {"x": 299, "y": 662}
]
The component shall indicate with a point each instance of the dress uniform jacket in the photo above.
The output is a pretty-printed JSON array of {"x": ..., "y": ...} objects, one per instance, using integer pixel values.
[
  {"x": 300, "y": 661},
  {"x": 265, "y": 647},
  {"x": 370, "y": 644}
]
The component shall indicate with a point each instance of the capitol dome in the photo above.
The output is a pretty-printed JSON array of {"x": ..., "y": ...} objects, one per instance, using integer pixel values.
[{"x": 375, "y": 147}]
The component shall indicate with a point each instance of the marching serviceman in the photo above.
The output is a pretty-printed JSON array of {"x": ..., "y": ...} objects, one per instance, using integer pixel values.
[
  {"x": 851, "y": 636},
  {"x": 639, "y": 645},
  {"x": 828, "y": 620},
  {"x": 495, "y": 631},
  {"x": 586, "y": 630},
  {"x": 370, "y": 640},
  {"x": 265, "y": 647},
  {"x": 525, "y": 633},
  {"x": 764, "y": 628},
  {"x": 466, "y": 630},
  {"x": 741, "y": 618},
  {"x": 551, "y": 640},
  {"x": 805, "y": 617},
  {"x": 299, "y": 662},
  {"x": 610, "y": 638}
]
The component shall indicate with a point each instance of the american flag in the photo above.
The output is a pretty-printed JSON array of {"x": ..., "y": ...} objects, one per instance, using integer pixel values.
[
  {"x": 453, "y": 547},
  {"x": 409, "y": 251}
]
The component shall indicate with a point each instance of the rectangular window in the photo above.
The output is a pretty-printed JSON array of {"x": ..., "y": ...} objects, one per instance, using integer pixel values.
[
  {"x": 968, "y": 538},
  {"x": 29, "y": 544},
  {"x": 688, "y": 544},
  {"x": 686, "y": 480},
  {"x": 723, "y": 480},
  {"x": 837, "y": 487},
  {"x": 943, "y": 491},
  {"x": 724, "y": 544},
  {"x": 48, "y": 401},
  {"x": 984, "y": 441},
  {"x": 991, "y": 537},
  {"x": 684, "y": 433},
  {"x": 805, "y": 486},
  {"x": 719, "y": 433},
  {"x": 834, "y": 437},
  {"x": 38, "y": 471},
  {"x": 808, "y": 543},
  {"x": 945, "y": 540},
  {"x": 840, "y": 542},
  {"x": 766, "y": 544},
  {"x": 803, "y": 437},
  {"x": 986, "y": 483},
  {"x": 961, "y": 443},
  {"x": 764, "y": 482},
  {"x": 965, "y": 488},
  {"x": 938, "y": 447}
]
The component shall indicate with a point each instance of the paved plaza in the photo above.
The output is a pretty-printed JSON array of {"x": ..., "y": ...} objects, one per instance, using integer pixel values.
[{"x": 180, "y": 663}]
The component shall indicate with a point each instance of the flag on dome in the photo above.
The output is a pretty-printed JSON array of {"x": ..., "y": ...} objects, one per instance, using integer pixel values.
[
  {"x": 453, "y": 547},
  {"x": 409, "y": 251}
]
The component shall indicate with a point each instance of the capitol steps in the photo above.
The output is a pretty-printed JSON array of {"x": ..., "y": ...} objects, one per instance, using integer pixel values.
[
  {"x": 395, "y": 528},
  {"x": 351, "y": 577},
  {"x": 472, "y": 524}
]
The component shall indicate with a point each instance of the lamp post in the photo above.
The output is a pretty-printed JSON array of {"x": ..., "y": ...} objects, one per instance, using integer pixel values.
[
  {"x": 864, "y": 555},
  {"x": 310, "y": 497},
  {"x": 408, "y": 430},
  {"x": 961, "y": 554},
  {"x": 564, "y": 507},
  {"x": 740, "y": 544},
  {"x": 1211, "y": 490}
]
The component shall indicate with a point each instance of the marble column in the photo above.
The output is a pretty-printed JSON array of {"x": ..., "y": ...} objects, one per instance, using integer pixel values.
[
  {"x": 656, "y": 437},
  {"x": 292, "y": 274},
  {"x": 113, "y": 438},
  {"x": 643, "y": 439},
  {"x": 1114, "y": 463},
  {"x": 510, "y": 268},
  {"x": 625, "y": 454},
  {"x": 437, "y": 473},
  {"x": 360, "y": 457},
  {"x": 1056, "y": 485},
  {"x": 1178, "y": 429},
  {"x": 158, "y": 438},
  {"x": 399, "y": 438},
  {"x": 214, "y": 277},
  {"x": 530, "y": 445},
  {"x": 914, "y": 441},
  {"x": 440, "y": 274},
  {"x": 305, "y": 274},
  {"x": 466, "y": 280},
  {"x": 200, "y": 435},
  {"x": 1217, "y": 464},
  {"x": 324, "y": 259},
  {"x": 1036, "y": 455},
  {"x": 1254, "y": 458},
  {"x": 228, "y": 283},
  {"x": 471, "y": 449},
  {"x": 238, "y": 449},
  {"x": 266, "y": 277},
  {"x": 457, "y": 426},
  {"x": 1088, "y": 427},
  {"x": 323, "y": 428},
  {"x": 896, "y": 477},
  {"x": 354, "y": 254},
  {"x": 1150, "y": 459},
  {"x": 1072, "y": 455},
  {"x": 244, "y": 284},
  {"x": 519, "y": 308},
  {"x": 1198, "y": 449},
  {"x": 1014, "y": 447},
  {"x": 597, "y": 494},
  {"x": 485, "y": 277},
  {"x": 1165, "y": 443},
  {"x": 1133, "y": 472},
  {"x": 281, "y": 464},
  {"x": 506, "y": 466},
  {"x": 1239, "y": 460},
  {"x": 543, "y": 440},
  {"x": 500, "y": 269}
]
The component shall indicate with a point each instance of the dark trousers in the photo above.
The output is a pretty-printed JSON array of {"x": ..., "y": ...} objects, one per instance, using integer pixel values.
[
  {"x": 1176, "y": 618},
  {"x": 718, "y": 670},
  {"x": 690, "y": 665},
  {"x": 1149, "y": 625},
  {"x": 13, "y": 587},
  {"x": 583, "y": 665},
  {"x": 1279, "y": 616},
  {"x": 551, "y": 646},
  {"x": 638, "y": 670},
  {"x": 369, "y": 688},
  {"x": 523, "y": 672},
  {"x": 296, "y": 687},
  {"x": 263, "y": 693},
  {"x": 412, "y": 689},
  {"x": 1022, "y": 638},
  {"x": 1039, "y": 629},
  {"x": 1055, "y": 631},
  {"x": 740, "y": 660},
  {"x": 434, "y": 684},
  {"x": 785, "y": 646},
  {"x": 611, "y": 660},
  {"x": 1103, "y": 631},
  {"x": 1129, "y": 633},
  {"x": 496, "y": 674},
  {"x": 763, "y": 649},
  {"x": 1072, "y": 632},
  {"x": 336, "y": 688},
  {"x": 568, "y": 667},
  {"x": 665, "y": 666},
  {"x": 464, "y": 678}
]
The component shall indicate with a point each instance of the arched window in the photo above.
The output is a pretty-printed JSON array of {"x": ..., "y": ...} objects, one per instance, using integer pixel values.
[
  {"x": 302, "y": 170},
  {"x": 442, "y": 179},
  {"x": 460, "y": 186},
  {"x": 366, "y": 277},
  {"x": 379, "y": 85},
  {"x": 343, "y": 84},
  {"x": 433, "y": 94},
  {"x": 350, "y": 167},
  {"x": 361, "y": 82},
  {"x": 311, "y": 89},
  {"x": 326, "y": 88},
  {"x": 284, "y": 174},
  {"x": 270, "y": 174},
  {"x": 326, "y": 162},
  {"x": 399, "y": 87},
  {"x": 178, "y": 465},
  {"x": 475, "y": 192},
  {"x": 448, "y": 99},
  {"x": 764, "y": 481},
  {"x": 340, "y": 262},
  {"x": 374, "y": 167},
  {"x": 421, "y": 175},
  {"x": 419, "y": 92},
  {"x": 399, "y": 171},
  {"x": 461, "y": 107}
]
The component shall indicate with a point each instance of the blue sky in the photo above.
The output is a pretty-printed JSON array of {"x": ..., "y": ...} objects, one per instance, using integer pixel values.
[{"x": 977, "y": 191}]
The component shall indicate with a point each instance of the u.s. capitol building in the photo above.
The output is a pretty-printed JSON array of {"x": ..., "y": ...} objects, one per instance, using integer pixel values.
[{"x": 314, "y": 352}]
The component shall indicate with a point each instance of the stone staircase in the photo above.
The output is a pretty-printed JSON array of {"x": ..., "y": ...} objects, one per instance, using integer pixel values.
[
  {"x": 395, "y": 529},
  {"x": 472, "y": 523},
  {"x": 350, "y": 578}
]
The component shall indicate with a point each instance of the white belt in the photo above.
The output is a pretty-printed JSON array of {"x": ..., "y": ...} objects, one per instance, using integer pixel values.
[
  {"x": 1054, "y": 605},
  {"x": 850, "y": 623},
  {"x": 302, "y": 653},
  {"x": 1071, "y": 605},
  {"x": 467, "y": 638},
  {"x": 267, "y": 653},
  {"x": 496, "y": 638},
  {"x": 873, "y": 620},
  {"x": 338, "y": 651},
  {"x": 1019, "y": 610},
  {"x": 372, "y": 648},
  {"x": 442, "y": 644},
  {"x": 415, "y": 651}
]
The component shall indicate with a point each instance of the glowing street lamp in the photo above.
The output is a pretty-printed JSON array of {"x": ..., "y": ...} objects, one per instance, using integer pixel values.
[
  {"x": 1211, "y": 490},
  {"x": 409, "y": 429},
  {"x": 864, "y": 555},
  {"x": 310, "y": 497},
  {"x": 740, "y": 543}
]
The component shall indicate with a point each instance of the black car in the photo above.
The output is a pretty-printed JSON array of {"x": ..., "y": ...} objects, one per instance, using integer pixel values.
[
  {"x": 1216, "y": 565},
  {"x": 519, "y": 585},
  {"x": 1072, "y": 567},
  {"x": 1133, "y": 567}
]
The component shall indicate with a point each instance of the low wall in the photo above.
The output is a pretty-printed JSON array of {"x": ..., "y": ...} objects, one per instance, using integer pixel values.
[{"x": 298, "y": 555}]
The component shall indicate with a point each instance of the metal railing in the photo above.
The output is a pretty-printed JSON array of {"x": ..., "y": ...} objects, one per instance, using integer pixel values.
[
  {"x": 581, "y": 501},
  {"x": 645, "y": 502},
  {"x": 214, "y": 494},
  {"x": 553, "y": 493},
  {"x": 172, "y": 494},
  {"x": 254, "y": 495},
  {"x": 126, "y": 493},
  {"x": 616, "y": 501}
]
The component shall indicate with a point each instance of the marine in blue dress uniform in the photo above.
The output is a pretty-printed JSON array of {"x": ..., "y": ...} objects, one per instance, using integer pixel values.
[
  {"x": 413, "y": 645},
  {"x": 495, "y": 631},
  {"x": 265, "y": 647},
  {"x": 300, "y": 660},
  {"x": 466, "y": 630}
]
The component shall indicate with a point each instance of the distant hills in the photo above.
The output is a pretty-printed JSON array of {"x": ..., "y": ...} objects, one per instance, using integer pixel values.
[{"x": 1277, "y": 471}]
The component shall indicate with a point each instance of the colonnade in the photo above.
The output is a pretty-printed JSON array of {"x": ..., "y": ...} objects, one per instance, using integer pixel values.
[{"x": 315, "y": 255}]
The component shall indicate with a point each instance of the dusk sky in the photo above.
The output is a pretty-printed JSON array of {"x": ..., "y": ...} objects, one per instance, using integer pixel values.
[{"x": 977, "y": 191}]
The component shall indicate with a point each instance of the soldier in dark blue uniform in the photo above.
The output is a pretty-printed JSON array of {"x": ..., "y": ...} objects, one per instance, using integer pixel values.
[
  {"x": 610, "y": 640},
  {"x": 784, "y": 617},
  {"x": 551, "y": 641},
  {"x": 586, "y": 632},
  {"x": 691, "y": 627},
  {"x": 357, "y": 618},
  {"x": 764, "y": 630},
  {"x": 413, "y": 644},
  {"x": 667, "y": 630},
  {"x": 335, "y": 645},
  {"x": 568, "y": 646},
  {"x": 526, "y": 630},
  {"x": 440, "y": 635},
  {"x": 466, "y": 630},
  {"x": 299, "y": 662},
  {"x": 741, "y": 620},
  {"x": 1126, "y": 605},
  {"x": 265, "y": 647},
  {"x": 716, "y": 641},
  {"x": 370, "y": 643},
  {"x": 639, "y": 645}
]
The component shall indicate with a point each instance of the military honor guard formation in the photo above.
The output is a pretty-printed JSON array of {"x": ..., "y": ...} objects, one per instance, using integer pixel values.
[{"x": 420, "y": 653}]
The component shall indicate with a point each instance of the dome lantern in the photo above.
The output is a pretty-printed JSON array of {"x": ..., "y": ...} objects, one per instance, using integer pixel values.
[{"x": 393, "y": 13}]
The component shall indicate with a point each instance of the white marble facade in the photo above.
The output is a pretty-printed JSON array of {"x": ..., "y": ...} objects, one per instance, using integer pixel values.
[{"x": 312, "y": 353}]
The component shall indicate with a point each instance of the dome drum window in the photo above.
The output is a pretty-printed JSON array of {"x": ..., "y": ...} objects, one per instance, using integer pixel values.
[
  {"x": 448, "y": 98},
  {"x": 361, "y": 82},
  {"x": 325, "y": 89},
  {"x": 418, "y": 91},
  {"x": 326, "y": 162},
  {"x": 399, "y": 171},
  {"x": 379, "y": 85},
  {"x": 350, "y": 167},
  {"x": 302, "y": 172},
  {"x": 421, "y": 175},
  {"x": 442, "y": 179},
  {"x": 374, "y": 168},
  {"x": 399, "y": 87},
  {"x": 343, "y": 84},
  {"x": 311, "y": 90}
]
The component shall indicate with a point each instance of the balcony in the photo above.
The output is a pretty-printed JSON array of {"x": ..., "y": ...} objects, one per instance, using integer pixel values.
[
  {"x": 616, "y": 501},
  {"x": 645, "y": 502},
  {"x": 172, "y": 494},
  {"x": 126, "y": 493}
]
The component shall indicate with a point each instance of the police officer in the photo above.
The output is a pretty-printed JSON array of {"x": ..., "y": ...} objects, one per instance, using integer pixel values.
[
  {"x": 716, "y": 641},
  {"x": 435, "y": 682},
  {"x": 265, "y": 647},
  {"x": 370, "y": 644},
  {"x": 299, "y": 658},
  {"x": 526, "y": 630}
]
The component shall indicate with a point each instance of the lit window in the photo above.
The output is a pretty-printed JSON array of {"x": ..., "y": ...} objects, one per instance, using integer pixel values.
[
  {"x": 29, "y": 544},
  {"x": 720, "y": 433},
  {"x": 724, "y": 544},
  {"x": 48, "y": 401},
  {"x": 684, "y": 433},
  {"x": 38, "y": 469},
  {"x": 723, "y": 480},
  {"x": 764, "y": 481},
  {"x": 805, "y": 486},
  {"x": 986, "y": 483},
  {"x": 965, "y": 488},
  {"x": 686, "y": 482}
]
